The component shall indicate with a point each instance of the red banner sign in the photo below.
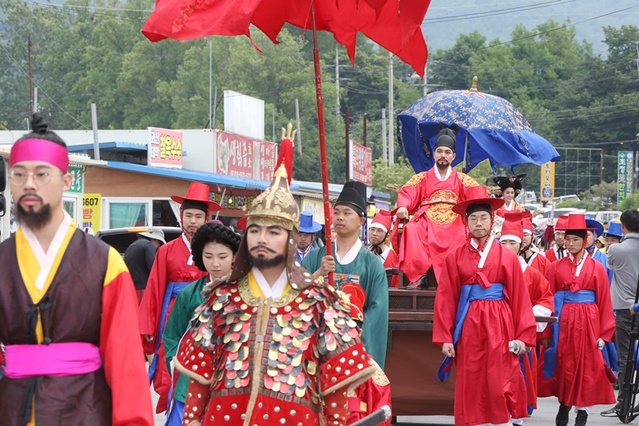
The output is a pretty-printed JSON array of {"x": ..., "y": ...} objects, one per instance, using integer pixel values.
[
  {"x": 361, "y": 163},
  {"x": 165, "y": 148},
  {"x": 244, "y": 157}
]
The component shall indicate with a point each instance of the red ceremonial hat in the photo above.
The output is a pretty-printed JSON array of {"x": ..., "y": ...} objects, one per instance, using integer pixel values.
[
  {"x": 198, "y": 192},
  {"x": 382, "y": 219},
  {"x": 562, "y": 220},
  {"x": 576, "y": 222},
  {"x": 513, "y": 227},
  {"x": 527, "y": 221},
  {"x": 477, "y": 195}
]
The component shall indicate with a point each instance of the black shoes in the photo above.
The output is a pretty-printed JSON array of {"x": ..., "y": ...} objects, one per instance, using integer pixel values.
[
  {"x": 581, "y": 419},
  {"x": 613, "y": 412},
  {"x": 562, "y": 415}
]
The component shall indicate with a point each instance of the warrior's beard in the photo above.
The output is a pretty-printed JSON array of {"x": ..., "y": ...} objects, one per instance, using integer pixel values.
[
  {"x": 32, "y": 219},
  {"x": 263, "y": 263}
]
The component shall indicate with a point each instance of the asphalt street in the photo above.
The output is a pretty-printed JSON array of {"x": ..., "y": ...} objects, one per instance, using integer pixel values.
[{"x": 543, "y": 416}]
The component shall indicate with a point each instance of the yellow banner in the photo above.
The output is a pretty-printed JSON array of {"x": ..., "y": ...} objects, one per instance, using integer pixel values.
[
  {"x": 92, "y": 211},
  {"x": 547, "y": 179}
]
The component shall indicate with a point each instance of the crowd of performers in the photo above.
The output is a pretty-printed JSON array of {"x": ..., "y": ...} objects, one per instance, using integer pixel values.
[{"x": 243, "y": 326}]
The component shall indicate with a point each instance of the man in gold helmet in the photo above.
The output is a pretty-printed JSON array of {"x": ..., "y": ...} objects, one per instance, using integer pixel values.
[{"x": 271, "y": 345}]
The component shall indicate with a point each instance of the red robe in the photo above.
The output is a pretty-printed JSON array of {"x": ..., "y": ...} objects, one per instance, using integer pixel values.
[
  {"x": 540, "y": 295},
  {"x": 170, "y": 266},
  {"x": 551, "y": 254},
  {"x": 580, "y": 373},
  {"x": 434, "y": 229},
  {"x": 391, "y": 261},
  {"x": 489, "y": 387},
  {"x": 516, "y": 207},
  {"x": 539, "y": 262}
]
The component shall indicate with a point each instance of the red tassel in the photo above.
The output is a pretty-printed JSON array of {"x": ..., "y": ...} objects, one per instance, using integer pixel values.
[{"x": 285, "y": 157}]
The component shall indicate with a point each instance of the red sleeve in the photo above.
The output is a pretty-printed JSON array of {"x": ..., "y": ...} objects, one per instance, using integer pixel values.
[
  {"x": 523, "y": 318},
  {"x": 446, "y": 300},
  {"x": 121, "y": 349},
  {"x": 409, "y": 195},
  {"x": 151, "y": 303},
  {"x": 539, "y": 290}
]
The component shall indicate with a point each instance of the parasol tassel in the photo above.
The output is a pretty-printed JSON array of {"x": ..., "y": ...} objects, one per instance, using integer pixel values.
[{"x": 285, "y": 156}]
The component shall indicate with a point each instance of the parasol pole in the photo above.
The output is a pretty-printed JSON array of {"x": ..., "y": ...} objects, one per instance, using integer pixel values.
[
  {"x": 322, "y": 142},
  {"x": 465, "y": 153}
]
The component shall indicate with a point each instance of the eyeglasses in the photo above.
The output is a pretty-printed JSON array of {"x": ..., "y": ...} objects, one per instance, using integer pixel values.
[{"x": 39, "y": 178}]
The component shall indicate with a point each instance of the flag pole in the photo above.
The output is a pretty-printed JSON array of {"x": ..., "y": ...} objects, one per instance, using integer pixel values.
[{"x": 322, "y": 142}]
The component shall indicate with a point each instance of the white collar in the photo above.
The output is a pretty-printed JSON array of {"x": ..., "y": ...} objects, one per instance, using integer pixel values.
[
  {"x": 351, "y": 255},
  {"x": 274, "y": 291},
  {"x": 384, "y": 254},
  {"x": 522, "y": 263},
  {"x": 188, "y": 246},
  {"x": 439, "y": 176},
  {"x": 46, "y": 259},
  {"x": 482, "y": 254}
]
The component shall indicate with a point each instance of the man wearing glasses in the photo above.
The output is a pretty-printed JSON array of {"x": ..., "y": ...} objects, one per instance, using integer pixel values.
[{"x": 69, "y": 345}]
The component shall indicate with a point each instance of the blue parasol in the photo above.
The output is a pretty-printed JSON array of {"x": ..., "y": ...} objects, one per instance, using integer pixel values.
[{"x": 490, "y": 127}]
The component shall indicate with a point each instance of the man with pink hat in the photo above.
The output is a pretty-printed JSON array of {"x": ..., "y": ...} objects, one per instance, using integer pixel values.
[
  {"x": 483, "y": 312},
  {"x": 172, "y": 271},
  {"x": 529, "y": 252},
  {"x": 378, "y": 233},
  {"x": 512, "y": 234},
  {"x": 574, "y": 359},
  {"x": 69, "y": 348}
]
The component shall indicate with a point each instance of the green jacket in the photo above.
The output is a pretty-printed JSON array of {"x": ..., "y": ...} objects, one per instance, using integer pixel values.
[{"x": 183, "y": 309}]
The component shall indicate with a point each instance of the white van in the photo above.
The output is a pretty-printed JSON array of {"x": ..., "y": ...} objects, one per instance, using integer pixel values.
[{"x": 604, "y": 217}]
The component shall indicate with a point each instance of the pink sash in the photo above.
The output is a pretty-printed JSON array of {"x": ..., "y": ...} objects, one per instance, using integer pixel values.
[{"x": 55, "y": 359}]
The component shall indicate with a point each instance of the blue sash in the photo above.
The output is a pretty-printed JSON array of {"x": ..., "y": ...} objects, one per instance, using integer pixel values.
[
  {"x": 172, "y": 291},
  {"x": 561, "y": 297},
  {"x": 468, "y": 293}
]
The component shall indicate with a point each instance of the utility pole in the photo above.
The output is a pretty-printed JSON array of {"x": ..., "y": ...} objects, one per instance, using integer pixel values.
[
  {"x": 384, "y": 143},
  {"x": 425, "y": 91},
  {"x": 364, "y": 130},
  {"x": 391, "y": 112},
  {"x": 347, "y": 144},
  {"x": 30, "y": 78},
  {"x": 337, "y": 79},
  {"x": 637, "y": 60}
]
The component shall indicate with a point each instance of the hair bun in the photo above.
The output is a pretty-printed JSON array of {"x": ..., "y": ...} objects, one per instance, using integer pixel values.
[{"x": 38, "y": 125}]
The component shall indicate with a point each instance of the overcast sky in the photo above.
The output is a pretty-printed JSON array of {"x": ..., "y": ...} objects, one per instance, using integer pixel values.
[{"x": 446, "y": 19}]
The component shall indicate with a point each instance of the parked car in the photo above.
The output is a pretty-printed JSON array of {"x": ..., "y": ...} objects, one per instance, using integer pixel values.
[
  {"x": 604, "y": 217},
  {"x": 121, "y": 238},
  {"x": 545, "y": 217}
]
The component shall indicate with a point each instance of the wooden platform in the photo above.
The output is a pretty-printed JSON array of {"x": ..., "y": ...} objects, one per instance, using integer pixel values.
[{"x": 412, "y": 359}]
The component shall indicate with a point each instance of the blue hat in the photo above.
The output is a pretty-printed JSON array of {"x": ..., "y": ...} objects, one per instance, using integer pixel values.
[
  {"x": 595, "y": 226},
  {"x": 307, "y": 224},
  {"x": 614, "y": 229}
]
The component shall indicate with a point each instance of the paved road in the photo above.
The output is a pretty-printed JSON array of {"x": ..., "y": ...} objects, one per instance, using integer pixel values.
[{"x": 543, "y": 416}]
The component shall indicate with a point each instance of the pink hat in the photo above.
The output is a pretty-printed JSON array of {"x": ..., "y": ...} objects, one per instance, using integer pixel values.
[
  {"x": 562, "y": 220},
  {"x": 383, "y": 220},
  {"x": 513, "y": 227},
  {"x": 527, "y": 222}
]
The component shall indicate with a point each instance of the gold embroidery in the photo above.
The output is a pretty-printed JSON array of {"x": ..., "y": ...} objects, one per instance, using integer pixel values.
[
  {"x": 467, "y": 180},
  {"x": 442, "y": 213},
  {"x": 414, "y": 181},
  {"x": 252, "y": 300}
]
